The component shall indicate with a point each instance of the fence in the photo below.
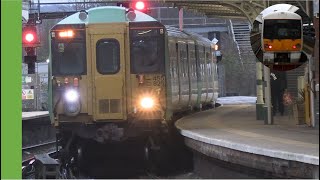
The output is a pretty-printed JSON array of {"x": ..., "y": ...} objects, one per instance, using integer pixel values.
[{"x": 35, "y": 92}]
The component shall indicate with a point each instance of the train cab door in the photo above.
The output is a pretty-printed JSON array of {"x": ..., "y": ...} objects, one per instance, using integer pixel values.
[{"x": 108, "y": 72}]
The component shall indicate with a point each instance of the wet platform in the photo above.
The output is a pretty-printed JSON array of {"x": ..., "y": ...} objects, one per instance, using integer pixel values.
[
  {"x": 231, "y": 133},
  {"x": 34, "y": 115}
]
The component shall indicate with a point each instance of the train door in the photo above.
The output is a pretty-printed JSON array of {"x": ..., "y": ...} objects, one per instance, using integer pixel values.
[{"x": 108, "y": 72}]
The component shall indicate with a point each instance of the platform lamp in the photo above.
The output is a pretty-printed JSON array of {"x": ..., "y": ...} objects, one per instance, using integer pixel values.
[
  {"x": 216, "y": 50},
  {"x": 214, "y": 44}
]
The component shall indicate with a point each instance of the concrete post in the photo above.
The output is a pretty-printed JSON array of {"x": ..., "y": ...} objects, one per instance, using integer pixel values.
[
  {"x": 260, "y": 103},
  {"x": 267, "y": 108},
  {"x": 311, "y": 102},
  {"x": 261, "y": 112},
  {"x": 316, "y": 62},
  {"x": 181, "y": 19}
]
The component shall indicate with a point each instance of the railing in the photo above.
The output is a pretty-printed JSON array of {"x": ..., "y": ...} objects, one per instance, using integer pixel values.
[{"x": 39, "y": 84}]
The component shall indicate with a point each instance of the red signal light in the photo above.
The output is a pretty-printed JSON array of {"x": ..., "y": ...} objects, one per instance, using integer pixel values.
[
  {"x": 140, "y": 5},
  {"x": 270, "y": 47},
  {"x": 29, "y": 36}
]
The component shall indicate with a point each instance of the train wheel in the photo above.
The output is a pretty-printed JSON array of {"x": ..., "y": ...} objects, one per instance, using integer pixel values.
[{"x": 156, "y": 156}]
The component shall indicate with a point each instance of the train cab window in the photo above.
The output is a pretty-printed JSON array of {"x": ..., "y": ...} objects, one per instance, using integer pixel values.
[
  {"x": 282, "y": 29},
  {"x": 108, "y": 56},
  {"x": 68, "y": 54},
  {"x": 68, "y": 58},
  {"x": 147, "y": 51}
]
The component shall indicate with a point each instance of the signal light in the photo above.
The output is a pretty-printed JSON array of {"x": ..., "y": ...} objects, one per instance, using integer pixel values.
[
  {"x": 29, "y": 36},
  {"x": 139, "y": 5}
]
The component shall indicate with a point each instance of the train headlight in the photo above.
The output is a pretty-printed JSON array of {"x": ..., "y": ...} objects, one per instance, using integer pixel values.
[
  {"x": 72, "y": 105},
  {"x": 71, "y": 95},
  {"x": 147, "y": 103}
]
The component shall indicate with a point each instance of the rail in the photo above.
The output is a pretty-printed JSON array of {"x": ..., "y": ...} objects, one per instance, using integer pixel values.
[{"x": 38, "y": 145}]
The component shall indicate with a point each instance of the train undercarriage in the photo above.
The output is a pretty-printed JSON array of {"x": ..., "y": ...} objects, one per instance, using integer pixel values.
[
  {"x": 80, "y": 147},
  {"x": 92, "y": 150}
]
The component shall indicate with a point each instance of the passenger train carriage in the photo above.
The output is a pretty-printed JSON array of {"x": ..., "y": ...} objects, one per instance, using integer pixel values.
[
  {"x": 116, "y": 73},
  {"x": 282, "y": 37}
]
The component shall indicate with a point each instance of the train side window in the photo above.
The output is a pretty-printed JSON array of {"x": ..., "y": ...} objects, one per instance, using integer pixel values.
[
  {"x": 187, "y": 61},
  {"x": 177, "y": 62},
  {"x": 172, "y": 57},
  {"x": 192, "y": 61},
  {"x": 201, "y": 60},
  {"x": 182, "y": 59},
  {"x": 208, "y": 62},
  {"x": 108, "y": 56}
]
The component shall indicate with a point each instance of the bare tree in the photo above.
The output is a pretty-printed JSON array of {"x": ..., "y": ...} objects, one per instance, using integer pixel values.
[
  {"x": 44, "y": 29},
  {"x": 87, "y": 4}
]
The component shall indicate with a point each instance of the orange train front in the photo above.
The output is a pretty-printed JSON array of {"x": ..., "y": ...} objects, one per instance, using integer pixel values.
[{"x": 282, "y": 37}]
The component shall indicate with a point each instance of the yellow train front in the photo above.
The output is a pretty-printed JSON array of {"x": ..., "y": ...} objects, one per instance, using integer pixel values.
[
  {"x": 282, "y": 37},
  {"x": 116, "y": 73}
]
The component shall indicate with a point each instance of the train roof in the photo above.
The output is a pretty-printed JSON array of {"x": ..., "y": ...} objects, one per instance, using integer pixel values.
[
  {"x": 106, "y": 14},
  {"x": 175, "y": 32},
  {"x": 282, "y": 15}
]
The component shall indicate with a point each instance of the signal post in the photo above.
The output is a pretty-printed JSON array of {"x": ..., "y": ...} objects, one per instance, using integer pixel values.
[{"x": 30, "y": 42}]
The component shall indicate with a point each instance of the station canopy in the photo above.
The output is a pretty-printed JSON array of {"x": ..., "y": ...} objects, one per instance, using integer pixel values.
[{"x": 248, "y": 9}]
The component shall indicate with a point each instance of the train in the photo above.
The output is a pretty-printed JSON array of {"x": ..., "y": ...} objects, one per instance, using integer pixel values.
[
  {"x": 282, "y": 37},
  {"x": 116, "y": 74}
]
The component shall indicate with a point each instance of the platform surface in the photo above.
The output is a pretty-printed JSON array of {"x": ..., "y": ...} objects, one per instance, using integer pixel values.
[
  {"x": 34, "y": 114},
  {"x": 236, "y": 127}
]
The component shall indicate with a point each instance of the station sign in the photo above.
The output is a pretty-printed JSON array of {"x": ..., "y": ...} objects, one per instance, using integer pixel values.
[
  {"x": 27, "y": 94},
  {"x": 26, "y": 79},
  {"x": 30, "y": 79}
]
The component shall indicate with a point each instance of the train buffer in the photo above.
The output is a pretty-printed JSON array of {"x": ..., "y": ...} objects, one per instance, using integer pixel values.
[{"x": 46, "y": 167}]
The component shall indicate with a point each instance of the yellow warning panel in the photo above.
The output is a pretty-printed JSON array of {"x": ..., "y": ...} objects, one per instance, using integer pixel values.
[{"x": 27, "y": 94}]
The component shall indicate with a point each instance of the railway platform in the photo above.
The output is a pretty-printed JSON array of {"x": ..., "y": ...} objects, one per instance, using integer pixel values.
[
  {"x": 34, "y": 115},
  {"x": 36, "y": 128},
  {"x": 232, "y": 134}
]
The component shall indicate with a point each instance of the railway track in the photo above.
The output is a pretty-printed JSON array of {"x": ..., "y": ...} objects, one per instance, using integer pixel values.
[
  {"x": 38, "y": 145},
  {"x": 28, "y": 170},
  {"x": 28, "y": 152}
]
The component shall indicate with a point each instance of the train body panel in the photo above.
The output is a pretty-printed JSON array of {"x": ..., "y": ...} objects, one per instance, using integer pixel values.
[
  {"x": 108, "y": 67},
  {"x": 125, "y": 76},
  {"x": 282, "y": 37},
  {"x": 284, "y": 45},
  {"x": 191, "y": 65}
]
